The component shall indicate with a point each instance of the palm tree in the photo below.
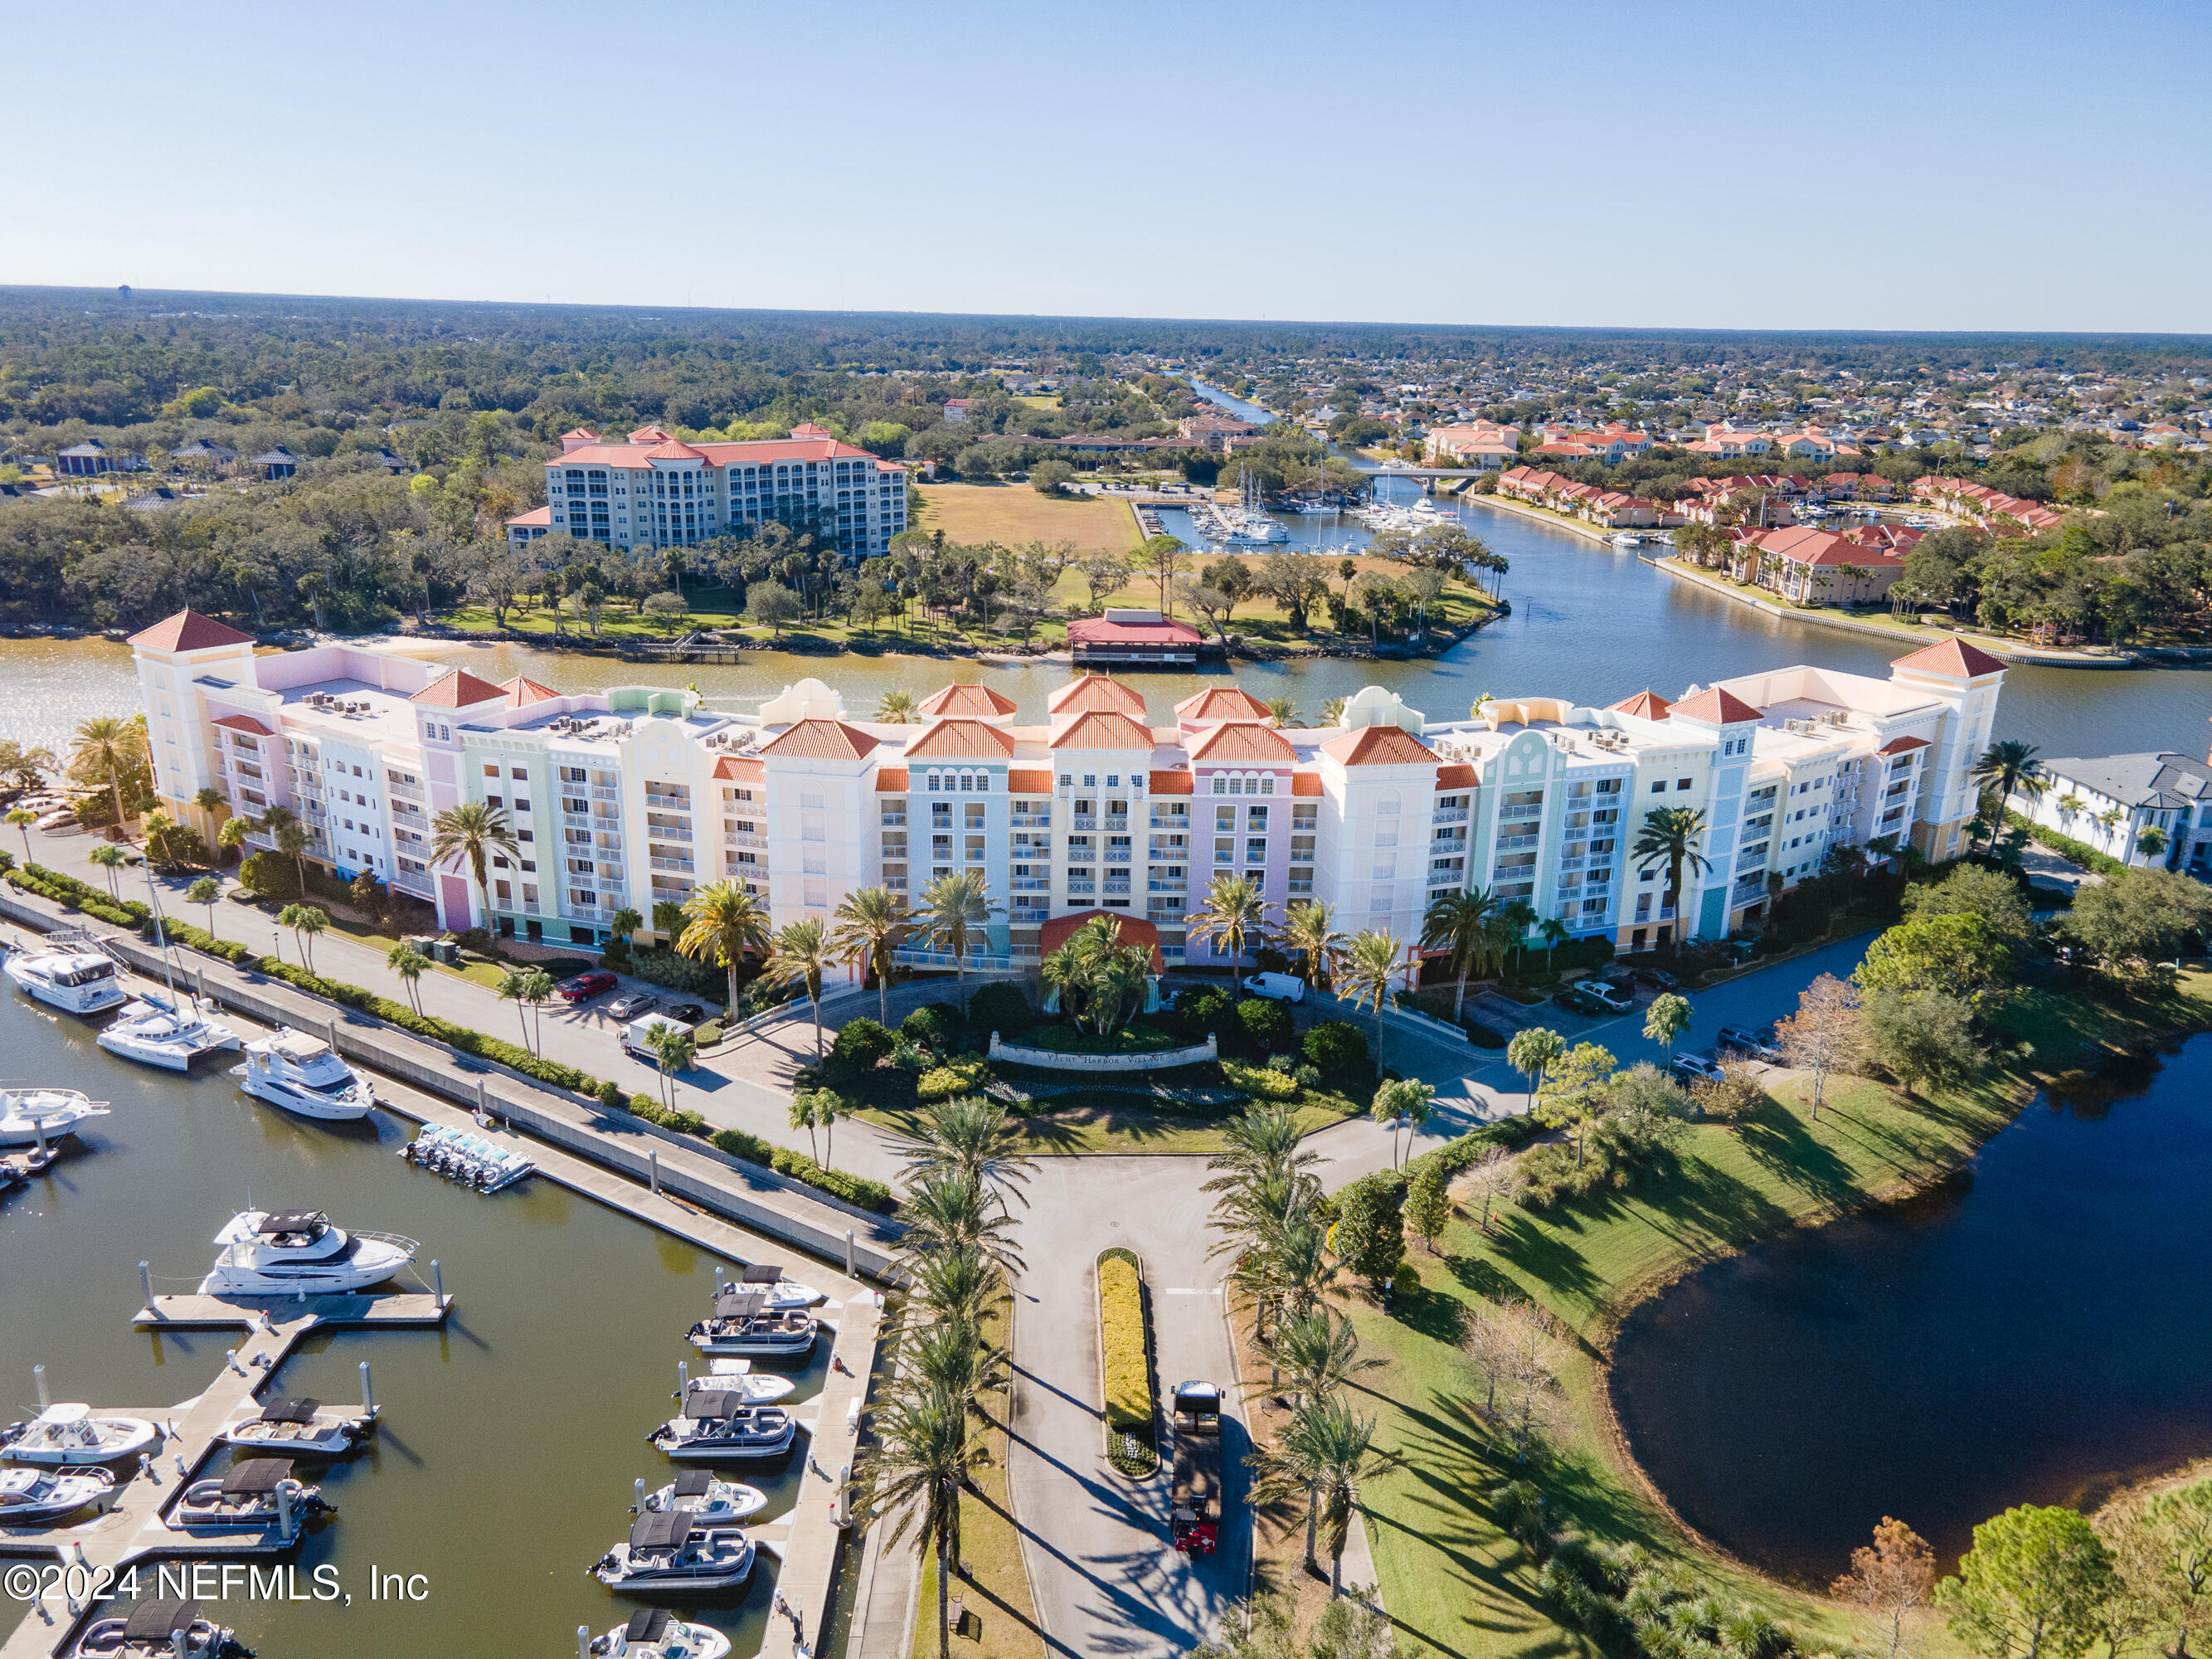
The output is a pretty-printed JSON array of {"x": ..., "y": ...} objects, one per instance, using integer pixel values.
[
  {"x": 1534, "y": 1051},
  {"x": 870, "y": 922},
  {"x": 538, "y": 991},
  {"x": 206, "y": 891},
  {"x": 1456, "y": 922},
  {"x": 108, "y": 746},
  {"x": 1370, "y": 964},
  {"x": 109, "y": 858},
  {"x": 1339, "y": 1450},
  {"x": 233, "y": 834},
  {"x": 673, "y": 1047},
  {"x": 1555, "y": 934},
  {"x": 800, "y": 955},
  {"x": 23, "y": 817},
  {"x": 408, "y": 963},
  {"x": 282, "y": 827},
  {"x": 1669, "y": 836},
  {"x": 1332, "y": 711},
  {"x": 953, "y": 1211},
  {"x": 1282, "y": 711},
  {"x": 1234, "y": 916},
  {"x": 803, "y": 1117},
  {"x": 2150, "y": 842},
  {"x": 895, "y": 708},
  {"x": 960, "y": 1284},
  {"x": 1310, "y": 936},
  {"x": 973, "y": 1135},
  {"x": 725, "y": 923},
  {"x": 2009, "y": 768},
  {"x": 1667, "y": 1018},
  {"x": 952, "y": 1355},
  {"x": 624, "y": 922},
  {"x": 469, "y": 832},
  {"x": 927, "y": 1443},
  {"x": 2069, "y": 808},
  {"x": 511, "y": 985},
  {"x": 952, "y": 908},
  {"x": 1317, "y": 1353},
  {"x": 210, "y": 800}
]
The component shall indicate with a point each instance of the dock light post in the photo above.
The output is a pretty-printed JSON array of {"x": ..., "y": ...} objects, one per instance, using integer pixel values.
[
  {"x": 38, "y": 1129},
  {"x": 367, "y": 1399},
  {"x": 39, "y": 1377}
]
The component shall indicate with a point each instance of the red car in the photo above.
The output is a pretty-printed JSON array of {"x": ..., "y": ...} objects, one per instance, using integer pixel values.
[{"x": 584, "y": 987}]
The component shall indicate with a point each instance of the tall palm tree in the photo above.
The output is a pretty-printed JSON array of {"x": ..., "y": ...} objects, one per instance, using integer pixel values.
[
  {"x": 1337, "y": 1449},
  {"x": 1669, "y": 836},
  {"x": 469, "y": 832},
  {"x": 952, "y": 908},
  {"x": 1455, "y": 923},
  {"x": 108, "y": 746},
  {"x": 800, "y": 955},
  {"x": 109, "y": 858},
  {"x": 1234, "y": 914},
  {"x": 1310, "y": 936},
  {"x": 927, "y": 1443},
  {"x": 960, "y": 1284},
  {"x": 1332, "y": 711},
  {"x": 1370, "y": 964},
  {"x": 408, "y": 963},
  {"x": 624, "y": 922},
  {"x": 2069, "y": 808},
  {"x": 289, "y": 837},
  {"x": 954, "y": 1210},
  {"x": 870, "y": 922},
  {"x": 895, "y": 708},
  {"x": 1555, "y": 934},
  {"x": 538, "y": 990},
  {"x": 233, "y": 834},
  {"x": 512, "y": 985},
  {"x": 1318, "y": 1353},
  {"x": 206, "y": 891},
  {"x": 1282, "y": 712},
  {"x": 2007, "y": 769},
  {"x": 973, "y": 1135},
  {"x": 724, "y": 922},
  {"x": 23, "y": 817},
  {"x": 1534, "y": 1051}
]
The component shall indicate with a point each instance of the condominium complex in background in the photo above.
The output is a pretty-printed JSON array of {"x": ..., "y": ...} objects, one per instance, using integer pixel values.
[
  {"x": 633, "y": 797},
  {"x": 657, "y": 491}
]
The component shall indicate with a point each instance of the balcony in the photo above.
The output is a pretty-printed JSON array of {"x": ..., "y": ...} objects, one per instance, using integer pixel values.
[
  {"x": 1115, "y": 889},
  {"x": 975, "y": 855},
  {"x": 1225, "y": 858},
  {"x": 1117, "y": 824},
  {"x": 402, "y": 790},
  {"x": 895, "y": 884},
  {"x": 667, "y": 831},
  {"x": 679, "y": 866},
  {"x": 1157, "y": 823},
  {"x": 245, "y": 768},
  {"x": 1255, "y": 855},
  {"x": 1572, "y": 864},
  {"x": 1082, "y": 822},
  {"x": 1301, "y": 889},
  {"x": 1520, "y": 812},
  {"x": 1450, "y": 815},
  {"x": 668, "y": 803},
  {"x": 1446, "y": 878},
  {"x": 1030, "y": 885},
  {"x": 408, "y": 881},
  {"x": 894, "y": 820},
  {"x": 1028, "y": 820},
  {"x": 746, "y": 838},
  {"x": 600, "y": 791},
  {"x": 1117, "y": 855},
  {"x": 1079, "y": 888},
  {"x": 1167, "y": 884},
  {"x": 576, "y": 820},
  {"x": 1513, "y": 843}
]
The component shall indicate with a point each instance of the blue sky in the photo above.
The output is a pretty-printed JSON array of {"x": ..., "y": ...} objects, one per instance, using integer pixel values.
[{"x": 1874, "y": 166}]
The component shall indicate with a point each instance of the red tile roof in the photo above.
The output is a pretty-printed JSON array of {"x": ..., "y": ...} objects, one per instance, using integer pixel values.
[
  {"x": 1718, "y": 707},
  {"x": 1902, "y": 745},
  {"x": 1096, "y": 630},
  {"x": 1222, "y": 703},
  {"x": 1096, "y": 693},
  {"x": 755, "y": 452},
  {"x": 1244, "y": 743},
  {"x": 961, "y": 739},
  {"x": 1644, "y": 704},
  {"x": 1454, "y": 776},
  {"x": 1135, "y": 930},
  {"x": 459, "y": 690},
  {"x": 1802, "y": 544},
  {"x": 821, "y": 739},
  {"x": 1305, "y": 783},
  {"x": 536, "y": 515},
  {"x": 1378, "y": 745},
  {"x": 1024, "y": 781},
  {"x": 1954, "y": 658},
  {"x": 740, "y": 769},
  {"x": 521, "y": 692},
  {"x": 244, "y": 723},
  {"x": 979, "y": 701},
  {"x": 891, "y": 781},
  {"x": 1173, "y": 783},
  {"x": 583, "y": 432},
  {"x": 188, "y": 630},
  {"x": 1113, "y": 731}
]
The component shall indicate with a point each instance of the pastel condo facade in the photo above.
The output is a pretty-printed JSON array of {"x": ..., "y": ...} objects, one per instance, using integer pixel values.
[{"x": 634, "y": 797}]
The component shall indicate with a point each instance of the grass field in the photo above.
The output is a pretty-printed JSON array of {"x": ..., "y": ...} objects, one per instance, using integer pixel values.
[
  {"x": 1013, "y": 514},
  {"x": 1099, "y": 1123}
]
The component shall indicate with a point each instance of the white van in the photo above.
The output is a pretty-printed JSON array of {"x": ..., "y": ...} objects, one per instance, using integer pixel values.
[
  {"x": 1280, "y": 987},
  {"x": 637, "y": 1035}
]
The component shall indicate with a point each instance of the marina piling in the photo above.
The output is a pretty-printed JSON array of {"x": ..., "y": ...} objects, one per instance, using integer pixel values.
[
  {"x": 146, "y": 1282},
  {"x": 583, "y": 1641},
  {"x": 682, "y": 1378},
  {"x": 653, "y": 1168},
  {"x": 639, "y": 1494},
  {"x": 367, "y": 1397},
  {"x": 848, "y": 1252},
  {"x": 39, "y": 1377},
  {"x": 437, "y": 1282}
]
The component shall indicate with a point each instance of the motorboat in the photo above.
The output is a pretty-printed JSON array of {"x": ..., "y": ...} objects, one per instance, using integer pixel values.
[
  {"x": 303, "y": 1074},
  {"x": 663, "y": 1554},
  {"x": 77, "y": 982},
  {"x": 721, "y": 1428},
  {"x": 657, "y": 1634},
  {"x": 739, "y": 1377},
  {"x": 708, "y": 1501},
  {"x": 1623, "y": 539},
  {"x": 29, "y": 1115},
  {"x": 249, "y": 1497},
  {"x": 65, "y": 1437},
  {"x": 158, "y": 1630},
  {"x": 301, "y": 1428},
  {"x": 769, "y": 1280},
  {"x": 154, "y": 1030},
  {"x": 470, "y": 1159},
  {"x": 288, "y": 1252},
  {"x": 743, "y": 1324},
  {"x": 33, "y": 1498}
]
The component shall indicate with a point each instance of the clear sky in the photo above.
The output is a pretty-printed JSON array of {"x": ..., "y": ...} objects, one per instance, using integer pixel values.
[{"x": 1926, "y": 165}]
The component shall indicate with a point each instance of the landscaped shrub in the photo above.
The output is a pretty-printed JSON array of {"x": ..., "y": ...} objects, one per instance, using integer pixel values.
[
  {"x": 1371, "y": 1226},
  {"x": 1483, "y": 1036},
  {"x": 1128, "y": 1379},
  {"x": 1260, "y": 1082},
  {"x": 861, "y": 1044},
  {"x": 1000, "y": 1007},
  {"x": 199, "y": 939},
  {"x": 272, "y": 875},
  {"x": 955, "y": 1077},
  {"x": 1203, "y": 1008},
  {"x": 666, "y": 969},
  {"x": 1267, "y": 1023},
  {"x": 1335, "y": 1045},
  {"x": 610, "y": 1095},
  {"x": 934, "y": 1025},
  {"x": 72, "y": 894},
  {"x": 1461, "y": 1154},
  {"x": 709, "y": 1034},
  {"x": 2073, "y": 852}
]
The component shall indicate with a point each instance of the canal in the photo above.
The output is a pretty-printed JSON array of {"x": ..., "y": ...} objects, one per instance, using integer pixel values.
[
  {"x": 2031, "y": 1332},
  {"x": 510, "y": 1438}
]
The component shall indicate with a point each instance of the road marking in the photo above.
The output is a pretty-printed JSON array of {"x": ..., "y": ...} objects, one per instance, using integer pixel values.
[{"x": 1216, "y": 1290}]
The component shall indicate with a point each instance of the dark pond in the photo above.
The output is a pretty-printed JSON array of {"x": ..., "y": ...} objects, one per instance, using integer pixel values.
[{"x": 2039, "y": 1331}]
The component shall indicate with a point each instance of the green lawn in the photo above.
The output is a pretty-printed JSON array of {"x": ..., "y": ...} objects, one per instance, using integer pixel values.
[{"x": 1099, "y": 1121}]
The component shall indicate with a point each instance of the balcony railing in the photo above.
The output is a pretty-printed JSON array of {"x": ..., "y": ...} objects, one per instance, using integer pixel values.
[
  {"x": 1080, "y": 821},
  {"x": 1450, "y": 815},
  {"x": 1082, "y": 887},
  {"x": 604, "y": 791},
  {"x": 667, "y": 831},
  {"x": 907, "y": 955},
  {"x": 1446, "y": 878},
  {"x": 1513, "y": 812},
  {"x": 1114, "y": 888},
  {"x": 1032, "y": 820},
  {"x": 1167, "y": 884},
  {"x": 407, "y": 882},
  {"x": 1117, "y": 855},
  {"x": 1170, "y": 822},
  {"x": 746, "y": 838},
  {"x": 1513, "y": 843},
  {"x": 1030, "y": 885},
  {"x": 894, "y": 820},
  {"x": 681, "y": 866},
  {"x": 1113, "y": 823},
  {"x": 1299, "y": 889}
]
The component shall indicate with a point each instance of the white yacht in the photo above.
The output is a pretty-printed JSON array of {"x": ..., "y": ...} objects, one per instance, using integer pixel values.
[
  {"x": 154, "y": 1031},
  {"x": 301, "y": 1428},
  {"x": 76, "y": 982},
  {"x": 739, "y": 1377},
  {"x": 303, "y": 1074},
  {"x": 157, "y": 1630},
  {"x": 27, "y": 1115},
  {"x": 708, "y": 1501},
  {"x": 299, "y": 1252},
  {"x": 68, "y": 1436},
  {"x": 721, "y": 1428},
  {"x": 663, "y": 1554},
  {"x": 656, "y": 1633},
  {"x": 744, "y": 1325},
  {"x": 33, "y": 1498},
  {"x": 769, "y": 1280},
  {"x": 252, "y": 1496}
]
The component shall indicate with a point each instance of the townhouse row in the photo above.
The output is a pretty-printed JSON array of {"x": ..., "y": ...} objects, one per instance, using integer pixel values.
[{"x": 635, "y": 796}]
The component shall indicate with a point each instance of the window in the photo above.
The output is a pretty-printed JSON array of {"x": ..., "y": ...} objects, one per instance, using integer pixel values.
[
  {"x": 1681, "y": 783},
  {"x": 1220, "y": 784},
  {"x": 491, "y": 771},
  {"x": 520, "y": 773},
  {"x": 1659, "y": 787}
]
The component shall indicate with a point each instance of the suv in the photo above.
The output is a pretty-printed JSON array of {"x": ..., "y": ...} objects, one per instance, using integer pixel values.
[
  {"x": 584, "y": 987},
  {"x": 1696, "y": 1068},
  {"x": 1746, "y": 1041},
  {"x": 1617, "y": 998},
  {"x": 1577, "y": 1000}
]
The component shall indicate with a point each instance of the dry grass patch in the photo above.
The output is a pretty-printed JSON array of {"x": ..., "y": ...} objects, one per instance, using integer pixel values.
[{"x": 1014, "y": 514}]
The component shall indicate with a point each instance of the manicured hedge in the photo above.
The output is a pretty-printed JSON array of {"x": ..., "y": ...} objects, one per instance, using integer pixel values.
[
  {"x": 1128, "y": 1378},
  {"x": 199, "y": 939},
  {"x": 74, "y": 895},
  {"x": 1260, "y": 1082},
  {"x": 1455, "y": 1156},
  {"x": 2073, "y": 852},
  {"x": 856, "y": 1190},
  {"x": 955, "y": 1077}
]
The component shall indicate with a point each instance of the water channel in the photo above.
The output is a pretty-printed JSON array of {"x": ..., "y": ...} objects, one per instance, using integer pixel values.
[
  {"x": 2031, "y": 1332},
  {"x": 510, "y": 1439}
]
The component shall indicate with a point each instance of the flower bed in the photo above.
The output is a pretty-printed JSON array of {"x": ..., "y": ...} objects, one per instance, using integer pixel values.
[{"x": 1126, "y": 1373}]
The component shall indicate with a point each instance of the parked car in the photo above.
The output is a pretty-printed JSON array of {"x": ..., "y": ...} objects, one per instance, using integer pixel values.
[
  {"x": 1696, "y": 1068},
  {"x": 690, "y": 1014},
  {"x": 1745, "y": 1041},
  {"x": 582, "y": 987},
  {"x": 1658, "y": 979},
  {"x": 1618, "y": 998},
  {"x": 627, "y": 1008},
  {"x": 1574, "y": 999},
  {"x": 1278, "y": 988}
]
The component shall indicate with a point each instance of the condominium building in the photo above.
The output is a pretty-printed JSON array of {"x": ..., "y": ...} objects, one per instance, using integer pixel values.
[
  {"x": 656, "y": 491},
  {"x": 631, "y": 798}
]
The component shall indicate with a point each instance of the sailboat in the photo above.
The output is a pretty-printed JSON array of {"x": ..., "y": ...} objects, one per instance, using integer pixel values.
[{"x": 171, "y": 1031}]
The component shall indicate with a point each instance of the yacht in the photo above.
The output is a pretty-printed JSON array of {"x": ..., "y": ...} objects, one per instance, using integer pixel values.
[
  {"x": 708, "y": 1502},
  {"x": 301, "y": 1428},
  {"x": 29, "y": 1115},
  {"x": 154, "y": 1031},
  {"x": 157, "y": 1630},
  {"x": 31, "y": 1497},
  {"x": 1623, "y": 539},
  {"x": 76, "y": 982},
  {"x": 656, "y": 1633},
  {"x": 288, "y": 1252},
  {"x": 743, "y": 1324},
  {"x": 252, "y": 1497},
  {"x": 721, "y": 1428},
  {"x": 663, "y": 1554},
  {"x": 470, "y": 1159},
  {"x": 769, "y": 1280},
  {"x": 303, "y": 1074},
  {"x": 67, "y": 1436},
  {"x": 739, "y": 1377}
]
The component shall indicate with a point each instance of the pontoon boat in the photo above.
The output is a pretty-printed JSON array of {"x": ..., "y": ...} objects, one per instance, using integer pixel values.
[
  {"x": 743, "y": 1324},
  {"x": 158, "y": 1630},
  {"x": 721, "y": 1428},
  {"x": 252, "y": 1496},
  {"x": 301, "y": 1428},
  {"x": 662, "y": 1553},
  {"x": 656, "y": 1633}
]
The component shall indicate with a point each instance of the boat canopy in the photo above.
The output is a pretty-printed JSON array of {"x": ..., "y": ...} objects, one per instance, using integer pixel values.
[
  {"x": 660, "y": 1529},
  {"x": 702, "y": 1403},
  {"x": 647, "y": 1624},
  {"x": 158, "y": 1621},
  {"x": 279, "y": 1222},
  {"x": 740, "y": 1304},
  {"x": 290, "y": 1411},
  {"x": 257, "y": 1474},
  {"x": 694, "y": 1483},
  {"x": 761, "y": 1276}
]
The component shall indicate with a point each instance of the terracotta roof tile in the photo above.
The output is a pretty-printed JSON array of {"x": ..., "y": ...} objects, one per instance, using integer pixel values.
[
  {"x": 1174, "y": 783},
  {"x": 891, "y": 781},
  {"x": 1644, "y": 704},
  {"x": 1105, "y": 731},
  {"x": 1239, "y": 743},
  {"x": 1902, "y": 745},
  {"x": 979, "y": 702},
  {"x": 1024, "y": 781},
  {"x": 1222, "y": 703},
  {"x": 1135, "y": 930},
  {"x": 459, "y": 690},
  {"x": 1378, "y": 745},
  {"x": 1305, "y": 783},
  {"x": 244, "y": 723},
  {"x": 821, "y": 739},
  {"x": 521, "y": 692},
  {"x": 1955, "y": 658},
  {"x": 740, "y": 769},
  {"x": 188, "y": 630},
  {"x": 1455, "y": 777},
  {"x": 961, "y": 739},
  {"x": 1095, "y": 694},
  {"x": 1718, "y": 707}
]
